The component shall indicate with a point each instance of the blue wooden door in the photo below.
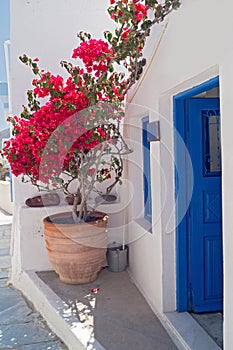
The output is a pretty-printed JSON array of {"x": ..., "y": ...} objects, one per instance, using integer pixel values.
[{"x": 205, "y": 212}]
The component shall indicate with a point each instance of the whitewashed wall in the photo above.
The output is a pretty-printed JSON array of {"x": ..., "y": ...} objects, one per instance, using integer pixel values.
[
  {"x": 196, "y": 46},
  {"x": 47, "y": 30}
]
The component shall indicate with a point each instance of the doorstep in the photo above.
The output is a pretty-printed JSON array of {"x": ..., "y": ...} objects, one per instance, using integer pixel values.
[{"x": 189, "y": 332}]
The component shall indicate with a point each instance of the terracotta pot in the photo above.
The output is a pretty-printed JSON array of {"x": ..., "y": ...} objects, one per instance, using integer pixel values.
[{"x": 76, "y": 251}]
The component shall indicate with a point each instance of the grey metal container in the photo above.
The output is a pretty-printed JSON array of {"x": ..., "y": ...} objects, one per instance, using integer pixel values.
[{"x": 117, "y": 257}]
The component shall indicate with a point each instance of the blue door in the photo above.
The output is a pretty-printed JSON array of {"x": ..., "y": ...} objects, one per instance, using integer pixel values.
[{"x": 205, "y": 212}]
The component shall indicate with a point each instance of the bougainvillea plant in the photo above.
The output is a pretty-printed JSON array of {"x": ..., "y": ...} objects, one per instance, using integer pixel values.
[{"x": 70, "y": 129}]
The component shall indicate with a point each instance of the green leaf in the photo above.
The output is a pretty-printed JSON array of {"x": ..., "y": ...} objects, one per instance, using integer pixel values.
[{"x": 146, "y": 25}]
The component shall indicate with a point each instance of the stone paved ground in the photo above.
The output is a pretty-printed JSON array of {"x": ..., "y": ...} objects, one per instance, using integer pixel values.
[{"x": 21, "y": 327}]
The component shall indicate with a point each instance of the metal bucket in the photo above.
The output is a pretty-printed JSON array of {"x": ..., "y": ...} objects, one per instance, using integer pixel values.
[{"x": 117, "y": 257}]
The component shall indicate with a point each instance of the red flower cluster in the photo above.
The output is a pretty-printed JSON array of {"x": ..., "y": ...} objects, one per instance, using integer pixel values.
[
  {"x": 47, "y": 144},
  {"x": 48, "y": 140},
  {"x": 95, "y": 54},
  {"x": 25, "y": 150},
  {"x": 140, "y": 11},
  {"x": 57, "y": 136},
  {"x": 125, "y": 34}
]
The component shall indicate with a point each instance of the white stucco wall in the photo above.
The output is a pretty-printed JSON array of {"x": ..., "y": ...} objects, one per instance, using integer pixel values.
[
  {"x": 47, "y": 30},
  {"x": 196, "y": 46},
  {"x": 5, "y": 199}
]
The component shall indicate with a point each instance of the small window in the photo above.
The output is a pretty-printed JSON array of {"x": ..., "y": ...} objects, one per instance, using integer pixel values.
[
  {"x": 211, "y": 142},
  {"x": 146, "y": 171}
]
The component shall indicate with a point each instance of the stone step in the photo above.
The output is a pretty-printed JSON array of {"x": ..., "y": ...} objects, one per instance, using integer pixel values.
[
  {"x": 5, "y": 231},
  {"x": 6, "y": 241},
  {"x": 3, "y": 282},
  {"x": 5, "y": 263},
  {"x": 4, "y": 274},
  {"x": 5, "y": 251},
  {"x": 4, "y": 246}
]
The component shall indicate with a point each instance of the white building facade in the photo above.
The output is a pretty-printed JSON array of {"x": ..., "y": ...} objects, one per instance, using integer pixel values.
[
  {"x": 185, "y": 263},
  {"x": 177, "y": 268}
]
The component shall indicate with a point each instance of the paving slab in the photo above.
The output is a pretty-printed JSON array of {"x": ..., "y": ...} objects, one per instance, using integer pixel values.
[
  {"x": 55, "y": 345},
  {"x": 5, "y": 262},
  {"x": 5, "y": 230},
  {"x": 24, "y": 334},
  {"x": 21, "y": 327},
  {"x": 4, "y": 274},
  {"x": 4, "y": 251},
  {"x": 13, "y": 308},
  {"x": 5, "y": 242},
  {"x": 3, "y": 282}
]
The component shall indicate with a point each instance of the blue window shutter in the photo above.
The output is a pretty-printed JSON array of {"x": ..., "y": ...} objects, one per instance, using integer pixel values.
[{"x": 146, "y": 171}]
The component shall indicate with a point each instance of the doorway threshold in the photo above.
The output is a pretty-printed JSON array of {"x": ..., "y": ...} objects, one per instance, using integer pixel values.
[
  {"x": 212, "y": 323},
  {"x": 189, "y": 332}
]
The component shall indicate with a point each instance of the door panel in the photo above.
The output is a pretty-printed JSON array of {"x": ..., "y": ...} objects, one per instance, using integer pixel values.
[{"x": 205, "y": 213}]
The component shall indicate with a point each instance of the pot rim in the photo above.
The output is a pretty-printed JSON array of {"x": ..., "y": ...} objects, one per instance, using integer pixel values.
[{"x": 68, "y": 214}]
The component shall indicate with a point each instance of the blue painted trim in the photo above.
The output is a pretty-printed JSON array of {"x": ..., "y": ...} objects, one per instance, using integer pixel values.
[
  {"x": 146, "y": 170},
  {"x": 182, "y": 241},
  {"x": 181, "y": 265},
  {"x": 210, "y": 84}
]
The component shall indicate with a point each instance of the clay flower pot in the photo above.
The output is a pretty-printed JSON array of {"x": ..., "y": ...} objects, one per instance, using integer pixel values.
[{"x": 76, "y": 251}]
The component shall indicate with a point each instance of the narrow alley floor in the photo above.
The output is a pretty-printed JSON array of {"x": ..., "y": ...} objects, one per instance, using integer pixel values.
[{"x": 21, "y": 327}]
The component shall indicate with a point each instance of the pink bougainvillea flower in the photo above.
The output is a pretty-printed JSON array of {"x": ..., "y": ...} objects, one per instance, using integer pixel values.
[
  {"x": 67, "y": 121},
  {"x": 95, "y": 54},
  {"x": 125, "y": 33}
]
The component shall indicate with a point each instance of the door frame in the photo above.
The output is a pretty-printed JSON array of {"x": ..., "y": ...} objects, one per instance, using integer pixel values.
[{"x": 182, "y": 167}]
